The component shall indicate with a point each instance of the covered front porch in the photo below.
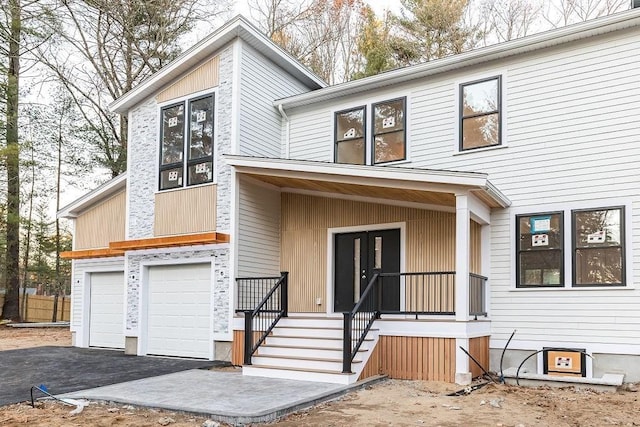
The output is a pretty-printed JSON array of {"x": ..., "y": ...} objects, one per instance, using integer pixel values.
[{"x": 401, "y": 252}]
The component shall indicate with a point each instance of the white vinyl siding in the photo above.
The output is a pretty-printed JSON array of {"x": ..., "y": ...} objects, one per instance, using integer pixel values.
[
  {"x": 80, "y": 269},
  {"x": 262, "y": 82},
  {"x": 571, "y": 134},
  {"x": 258, "y": 230}
]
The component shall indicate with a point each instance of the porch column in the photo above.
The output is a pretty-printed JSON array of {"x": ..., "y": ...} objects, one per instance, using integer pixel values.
[{"x": 463, "y": 216}]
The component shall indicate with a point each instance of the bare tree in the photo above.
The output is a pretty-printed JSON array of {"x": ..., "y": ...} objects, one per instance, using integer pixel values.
[
  {"x": 509, "y": 19},
  {"x": 320, "y": 34},
  {"x": 108, "y": 47},
  {"x": 559, "y": 13}
]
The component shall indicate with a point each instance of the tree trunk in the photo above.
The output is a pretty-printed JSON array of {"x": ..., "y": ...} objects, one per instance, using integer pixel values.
[{"x": 11, "y": 308}]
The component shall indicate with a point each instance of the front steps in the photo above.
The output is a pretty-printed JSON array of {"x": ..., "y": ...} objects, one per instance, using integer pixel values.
[{"x": 309, "y": 349}]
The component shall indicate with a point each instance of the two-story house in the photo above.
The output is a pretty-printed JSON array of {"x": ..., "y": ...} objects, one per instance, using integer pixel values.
[{"x": 417, "y": 214}]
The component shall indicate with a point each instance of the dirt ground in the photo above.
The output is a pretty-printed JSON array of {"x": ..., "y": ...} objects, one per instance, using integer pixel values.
[{"x": 388, "y": 403}]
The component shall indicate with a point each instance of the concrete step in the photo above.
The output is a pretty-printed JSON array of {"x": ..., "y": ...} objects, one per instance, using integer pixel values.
[
  {"x": 312, "y": 322},
  {"x": 307, "y": 363},
  {"x": 299, "y": 374},
  {"x": 312, "y": 342},
  {"x": 302, "y": 351},
  {"x": 312, "y": 332}
]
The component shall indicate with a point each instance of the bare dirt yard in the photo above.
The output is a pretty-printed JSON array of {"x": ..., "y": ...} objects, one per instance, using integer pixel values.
[{"x": 388, "y": 403}]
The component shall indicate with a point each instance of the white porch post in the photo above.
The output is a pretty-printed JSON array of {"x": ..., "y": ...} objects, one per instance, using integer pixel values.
[{"x": 463, "y": 216}]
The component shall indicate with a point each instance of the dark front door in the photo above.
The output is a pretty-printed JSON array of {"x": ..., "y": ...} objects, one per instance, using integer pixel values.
[{"x": 356, "y": 256}]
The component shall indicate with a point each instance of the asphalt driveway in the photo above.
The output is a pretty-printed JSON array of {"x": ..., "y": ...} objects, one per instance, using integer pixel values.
[{"x": 67, "y": 369}]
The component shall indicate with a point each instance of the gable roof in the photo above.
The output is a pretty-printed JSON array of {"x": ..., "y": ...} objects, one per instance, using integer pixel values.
[
  {"x": 595, "y": 27},
  {"x": 237, "y": 27},
  {"x": 81, "y": 204}
]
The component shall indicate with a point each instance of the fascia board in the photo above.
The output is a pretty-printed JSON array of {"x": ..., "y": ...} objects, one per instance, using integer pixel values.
[{"x": 465, "y": 179}]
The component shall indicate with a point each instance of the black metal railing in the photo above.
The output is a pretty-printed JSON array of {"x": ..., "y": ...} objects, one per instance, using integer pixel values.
[
  {"x": 260, "y": 321},
  {"x": 358, "y": 321},
  {"x": 477, "y": 289},
  {"x": 252, "y": 290},
  {"x": 426, "y": 293}
]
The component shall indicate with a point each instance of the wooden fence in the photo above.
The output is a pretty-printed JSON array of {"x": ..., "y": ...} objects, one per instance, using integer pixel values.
[{"x": 40, "y": 308}]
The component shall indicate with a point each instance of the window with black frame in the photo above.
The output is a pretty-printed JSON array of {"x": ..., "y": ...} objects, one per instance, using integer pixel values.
[
  {"x": 349, "y": 136},
  {"x": 186, "y": 142},
  {"x": 598, "y": 247},
  {"x": 540, "y": 261},
  {"x": 389, "y": 138},
  {"x": 480, "y": 114}
]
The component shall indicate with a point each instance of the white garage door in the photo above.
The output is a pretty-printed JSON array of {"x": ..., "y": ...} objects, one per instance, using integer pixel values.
[
  {"x": 106, "y": 316},
  {"x": 179, "y": 311}
]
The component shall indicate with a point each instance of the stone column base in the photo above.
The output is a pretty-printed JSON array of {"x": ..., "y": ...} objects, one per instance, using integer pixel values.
[
  {"x": 463, "y": 378},
  {"x": 131, "y": 346}
]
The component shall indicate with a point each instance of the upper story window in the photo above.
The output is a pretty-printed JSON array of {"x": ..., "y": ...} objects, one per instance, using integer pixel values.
[
  {"x": 386, "y": 141},
  {"x": 480, "y": 114},
  {"x": 350, "y": 147},
  {"x": 388, "y": 131},
  {"x": 186, "y": 143},
  {"x": 598, "y": 247}
]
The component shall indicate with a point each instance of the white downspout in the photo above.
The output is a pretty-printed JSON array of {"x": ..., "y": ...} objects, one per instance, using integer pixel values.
[{"x": 287, "y": 131}]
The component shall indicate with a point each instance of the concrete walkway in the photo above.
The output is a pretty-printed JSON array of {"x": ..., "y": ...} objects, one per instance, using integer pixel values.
[{"x": 223, "y": 396}]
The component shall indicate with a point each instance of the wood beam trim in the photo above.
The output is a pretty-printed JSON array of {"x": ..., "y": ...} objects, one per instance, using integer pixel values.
[
  {"x": 169, "y": 241},
  {"x": 91, "y": 253}
]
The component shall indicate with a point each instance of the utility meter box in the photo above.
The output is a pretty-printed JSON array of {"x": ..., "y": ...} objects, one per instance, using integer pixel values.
[{"x": 565, "y": 362}]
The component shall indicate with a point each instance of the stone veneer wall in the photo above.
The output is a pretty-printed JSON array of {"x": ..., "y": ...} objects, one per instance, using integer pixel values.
[
  {"x": 143, "y": 160},
  {"x": 220, "y": 286}
]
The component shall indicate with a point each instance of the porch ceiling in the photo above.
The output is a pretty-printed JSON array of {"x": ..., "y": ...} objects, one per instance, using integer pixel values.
[
  {"x": 405, "y": 195},
  {"x": 433, "y": 187}
]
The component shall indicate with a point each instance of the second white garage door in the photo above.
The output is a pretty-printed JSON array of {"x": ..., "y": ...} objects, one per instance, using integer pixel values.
[
  {"x": 106, "y": 314},
  {"x": 179, "y": 311}
]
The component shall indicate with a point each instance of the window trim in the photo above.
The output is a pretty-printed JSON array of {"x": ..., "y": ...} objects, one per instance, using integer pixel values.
[
  {"x": 374, "y": 134},
  {"x": 461, "y": 116},
  {"x": 186, "y": 102},
  {"x": 518, "y": 285},
  {"x": 622, "y": 246},
  {"x": 364, "y": 133}
]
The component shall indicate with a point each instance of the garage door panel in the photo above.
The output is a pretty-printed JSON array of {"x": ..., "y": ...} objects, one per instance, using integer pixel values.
[
  {"x": 179, "y": 311},
  {"x": 106, "y": 312}
]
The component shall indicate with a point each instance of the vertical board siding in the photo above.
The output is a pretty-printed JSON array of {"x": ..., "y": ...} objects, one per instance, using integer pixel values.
[
  {"x": 430, "y": 241},
  {"x": 184, "y": 211},
  {"x": 202, "y": 78},
  {"x": 101, "y": 224},
  {"x": 479, "y": 349},
  {"x": 258, "y": 230},
  {"x": 237, "y": 348},
  {"x": 262, "y": 82},
  {"x": 475, "y": 258},
  {"x": 414, "y": 358}
]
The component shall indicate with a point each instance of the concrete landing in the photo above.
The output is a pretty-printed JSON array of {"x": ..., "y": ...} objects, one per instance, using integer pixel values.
[
  {"x": 227, "y": 397},
  {"x": 608, "y": 382}
]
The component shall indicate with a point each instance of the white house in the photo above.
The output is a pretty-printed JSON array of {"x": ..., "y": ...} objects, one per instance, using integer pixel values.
[{"x": 441, "y": 206}]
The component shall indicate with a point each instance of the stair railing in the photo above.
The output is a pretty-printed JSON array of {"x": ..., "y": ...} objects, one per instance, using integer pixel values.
[
  {"x": 259, "y": 322},
  {"x": 358, "y": 321}
]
